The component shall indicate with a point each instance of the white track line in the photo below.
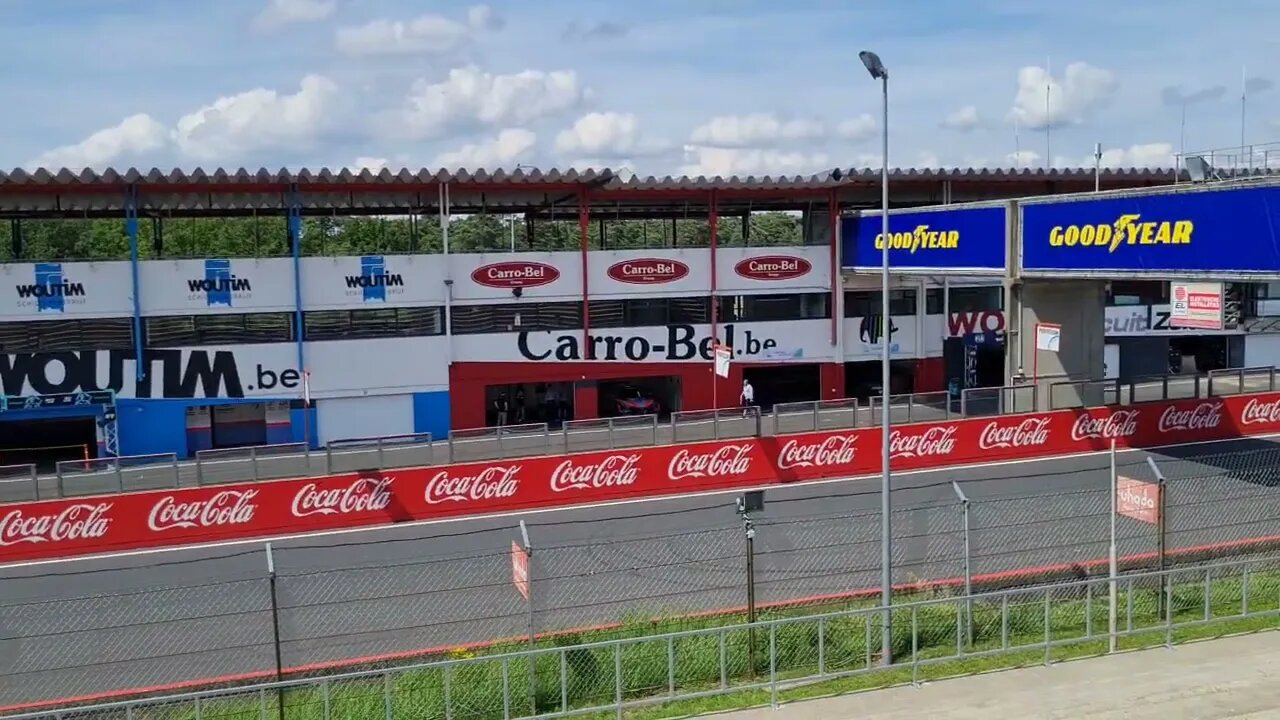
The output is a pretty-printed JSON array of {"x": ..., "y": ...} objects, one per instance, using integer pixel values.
[{"x": 587, "y": 506}]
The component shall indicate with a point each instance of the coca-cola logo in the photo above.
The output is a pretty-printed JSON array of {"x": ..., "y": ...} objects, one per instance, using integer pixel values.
[
  {"x": 1205, "y": 416},
  {"x": 724, "y": 461},
  {"x": 773, "y": 267},
  {"x": 1118, "y": 424},
  {"x": 79, "y": 521},
  {"x": 228, "y": 507},
  {"x": 648, "y": 271},
  {"x": 490, "y": 483},
  {"x": 933, "y": 442},
  {"x": 1258, "y": 412},
  {"x": 363, "y": 495},
  {"x": 832, "y": 451},
  {"x": 515, "y": 275},
  {"x": 613, "y": 471},
  {"x": 1031, "y": 432}
]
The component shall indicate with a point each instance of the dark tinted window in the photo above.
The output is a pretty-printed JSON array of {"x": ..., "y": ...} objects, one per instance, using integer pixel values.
[
  {"x": 237, "y": 329},
  {"x": 48, "y": 335},
  {"x": 766, "y": 308},
  {"x": 377, "y": 323},
  {"x": 514, "y": 317},
  {"x": 863, "y": 303}
]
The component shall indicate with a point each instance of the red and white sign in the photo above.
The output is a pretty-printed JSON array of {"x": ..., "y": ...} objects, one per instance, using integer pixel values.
[
  {"x": 520, "y": 569},
  {"x": 1196, "y": 305},
  {"x": 1138, "y": 500},
  {"x": 515, "y": 274},
  {"x": 773, "y": 267},
  {"x": 168, "y": 518},
  {"x": 648, "y": 271}
]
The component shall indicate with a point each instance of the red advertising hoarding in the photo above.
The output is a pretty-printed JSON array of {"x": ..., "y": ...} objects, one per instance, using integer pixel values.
[{"x": 60, "y": 528}]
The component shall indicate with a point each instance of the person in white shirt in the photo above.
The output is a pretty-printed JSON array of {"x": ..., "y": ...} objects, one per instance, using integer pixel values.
[{"x": 748, "y": 399}]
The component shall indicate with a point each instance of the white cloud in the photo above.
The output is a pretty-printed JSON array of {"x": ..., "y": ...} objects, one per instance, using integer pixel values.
[
  {"x": 858, "y": 128},
  {"x": 1082, "y": 89},
  {"x": 606, "y": 134},
  {"x": 135, "y": 136},
  {"x": 754, "y": 130},
  {"x": 472, "y": 97},
  {"x": 423, "y": 35},
  {"x": 482, "y": 17},
  {"x": 1023, "y": 159},
  {"x": 726, "y": 162},
  {"x": 1148, "y": 155},
  {"x": 964, "y": 119},
  {"x": 279, "y": 13},
  {"x": 373, "y": 164},
  {"x": 500, "y": 152},
  {"x": 926, "y": 159},
  {"x": 258, "y": 120}
]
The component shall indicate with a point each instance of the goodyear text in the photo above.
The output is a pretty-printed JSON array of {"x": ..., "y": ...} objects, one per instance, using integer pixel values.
[
  {"x": 922, "y": 238},
  {"x": 1127, "y": 230}
]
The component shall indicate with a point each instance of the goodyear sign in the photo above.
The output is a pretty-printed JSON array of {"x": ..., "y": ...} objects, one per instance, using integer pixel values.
[
  {"x": 959, "y": 239},
  {"x": 1229, "y": 230}
]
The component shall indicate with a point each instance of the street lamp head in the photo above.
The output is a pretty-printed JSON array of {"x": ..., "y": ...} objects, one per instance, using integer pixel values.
[{"x": 873, "y": 65}]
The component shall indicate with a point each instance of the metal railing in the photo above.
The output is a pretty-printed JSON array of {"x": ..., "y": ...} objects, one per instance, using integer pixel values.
[
  {"x": 1234, "y": 162},
  {"x": 267, "y": 462},
  {"x": 772, "y": 656}
]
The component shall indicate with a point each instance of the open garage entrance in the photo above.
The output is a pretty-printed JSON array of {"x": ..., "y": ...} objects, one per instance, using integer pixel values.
[
  {"x": 774, "y": 384},
  {"x": 46, "y": 442},
  {"x": 659, "y": 395}
]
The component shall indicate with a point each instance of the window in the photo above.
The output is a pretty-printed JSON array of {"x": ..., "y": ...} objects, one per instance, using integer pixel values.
[
  {"x": 864, "y": 303},
  {"x": 514, "y": 317},
  {"x": 933, "y": 301},
  {"x": 765, "y": 308},
  {"x": 977, "y": 299},
  {"x": 235, "y": 329},
  {"x": 647, "y": 312},
  {"x": 53, "y": 335},
  {"x": 378, "y": 323}
]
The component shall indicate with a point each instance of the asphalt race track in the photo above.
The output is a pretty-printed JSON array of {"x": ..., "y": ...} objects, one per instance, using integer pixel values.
[{"x": 97, "y": 625}]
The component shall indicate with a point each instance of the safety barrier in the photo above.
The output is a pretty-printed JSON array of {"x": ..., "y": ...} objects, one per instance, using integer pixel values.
[
  {"x": 264, "y": 509},
  {"x": 267, "y": 462}
]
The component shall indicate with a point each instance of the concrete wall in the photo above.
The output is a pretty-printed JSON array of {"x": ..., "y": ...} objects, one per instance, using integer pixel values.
[{"x": 1079, "y": 307}]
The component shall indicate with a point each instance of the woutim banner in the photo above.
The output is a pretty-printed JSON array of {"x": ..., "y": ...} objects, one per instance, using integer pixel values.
[
  {"x": 963, "y": 238},
  {"x": 1202, "y": 231},
  {"x": 80, "y": 526}
]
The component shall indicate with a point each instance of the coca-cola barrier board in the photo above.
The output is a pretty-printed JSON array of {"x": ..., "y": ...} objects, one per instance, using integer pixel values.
[{"x": 61, "y": 528}]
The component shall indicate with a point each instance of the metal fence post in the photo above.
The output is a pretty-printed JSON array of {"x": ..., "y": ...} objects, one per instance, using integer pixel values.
[
  {"x": 253, "y": 459},
  {"x": 968, "y": 570},
  {"x": 275, "y": 628},
  {"x": 533, "y": 637},
  {"x": 386, "y": 696},
  {"x": 773, "y": 665}
]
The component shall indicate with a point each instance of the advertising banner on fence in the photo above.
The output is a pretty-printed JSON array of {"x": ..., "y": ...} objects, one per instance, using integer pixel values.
[
  {"x": 971, "y": 239},
  {"x": 86, "y": 525},
  {"x": 1236, "y": 230},
  {"x": 1138, "y": 500}
]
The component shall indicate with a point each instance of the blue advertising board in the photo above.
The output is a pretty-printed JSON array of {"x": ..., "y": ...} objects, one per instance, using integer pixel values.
[
  {"x": 959, "y": 239},
  {"x": 1231, "y": 230}
]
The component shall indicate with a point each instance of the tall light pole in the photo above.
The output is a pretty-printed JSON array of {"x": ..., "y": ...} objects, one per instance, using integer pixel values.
[{"x": 879, "y": 72}]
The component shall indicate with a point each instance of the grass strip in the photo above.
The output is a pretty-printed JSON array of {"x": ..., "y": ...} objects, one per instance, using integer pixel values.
[{"x": 815, "y": 656}]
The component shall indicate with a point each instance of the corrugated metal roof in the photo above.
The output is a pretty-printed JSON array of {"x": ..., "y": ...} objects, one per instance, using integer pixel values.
[{"x": 605, "y": 178}]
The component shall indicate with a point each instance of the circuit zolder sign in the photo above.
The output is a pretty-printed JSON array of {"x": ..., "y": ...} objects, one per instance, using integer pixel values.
[{"x": 178, "y": 517}]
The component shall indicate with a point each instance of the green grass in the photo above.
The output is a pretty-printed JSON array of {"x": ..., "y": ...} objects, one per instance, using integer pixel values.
[{"x": 850, "y": 643}]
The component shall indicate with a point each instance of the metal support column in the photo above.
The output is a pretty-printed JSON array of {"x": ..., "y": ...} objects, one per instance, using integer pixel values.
[
  {"x": 131, "y": 230},
  {"x": 294, "y": 229}
]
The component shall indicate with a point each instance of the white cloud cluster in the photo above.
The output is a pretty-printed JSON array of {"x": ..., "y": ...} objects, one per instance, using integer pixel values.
[
  {"x": 423, "y": 35},
  {"x": 230, "y": 129},
  {"x": 964, "y": 119},
  {"x": 1152, "y": 155},
  {"x": 279, "y": 13},
  {"x": 256, "y": 120},
  {"x": 603, "y": 134},
  {"x": 471, "y": 97},
  {"x": 857, "y": 129},
  {"x": 726, "y": 162},
  {"x": 134, "y": 137},
  {"x": 372, "y": 164},
  {"x": 504, "y": 150},
  {"x": 1042, "y": 101},
  {"x": 754, "y": 130}
]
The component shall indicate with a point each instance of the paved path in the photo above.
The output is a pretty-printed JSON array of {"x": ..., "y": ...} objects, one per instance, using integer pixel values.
[
  {"x": 1230, "y": 679},
  {"x": 103, "y": 624}
]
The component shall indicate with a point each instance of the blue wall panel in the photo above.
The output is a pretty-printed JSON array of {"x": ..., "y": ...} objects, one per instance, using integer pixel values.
[
  {"x": 431, "y": 413},
  {"x": 297, "y": 428},
  {"x": 153, "y": 426}
]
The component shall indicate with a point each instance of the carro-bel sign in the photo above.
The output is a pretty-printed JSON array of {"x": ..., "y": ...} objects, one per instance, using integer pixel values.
[
  {"x": 681, "y": 343},
  {"x": 82, "y": 526}
]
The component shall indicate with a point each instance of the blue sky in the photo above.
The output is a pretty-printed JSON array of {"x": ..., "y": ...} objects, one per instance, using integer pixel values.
[{"x": 659, "y": 87}]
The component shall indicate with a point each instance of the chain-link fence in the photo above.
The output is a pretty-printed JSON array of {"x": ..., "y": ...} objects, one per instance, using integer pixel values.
[{"x": 333, "y": 601}]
